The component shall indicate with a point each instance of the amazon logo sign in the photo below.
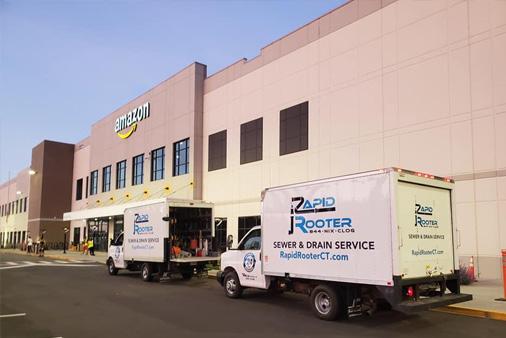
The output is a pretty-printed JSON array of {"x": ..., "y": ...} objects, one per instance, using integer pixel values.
[{"x": 130, "y": 120}]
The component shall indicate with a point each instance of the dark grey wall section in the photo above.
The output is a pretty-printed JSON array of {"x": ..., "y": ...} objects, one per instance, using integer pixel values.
[{"x": 50, "y": 189}]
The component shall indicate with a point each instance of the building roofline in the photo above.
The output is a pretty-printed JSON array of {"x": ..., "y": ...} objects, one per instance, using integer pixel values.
[{"x": 340, "y": 17}]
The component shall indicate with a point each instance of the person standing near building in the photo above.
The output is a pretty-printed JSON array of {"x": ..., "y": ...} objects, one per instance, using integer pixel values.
[
  {"x": 29, "y": 247},
  {"x": 85, "y": 246},
  {"x": 91, "y": 249},
  {"x": 37, "y": 245},
  {"x": 41, "y": 247}
]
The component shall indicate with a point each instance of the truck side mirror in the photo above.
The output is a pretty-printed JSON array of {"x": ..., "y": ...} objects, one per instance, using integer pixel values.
[
  {"x": 230, "y": 240},
  {"x": 112, "y": 241}
]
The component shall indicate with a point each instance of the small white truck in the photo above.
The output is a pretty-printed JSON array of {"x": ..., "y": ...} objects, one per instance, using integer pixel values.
[
  {"x": 353, "y": 242},
  {"x": 163, "y": 238}
]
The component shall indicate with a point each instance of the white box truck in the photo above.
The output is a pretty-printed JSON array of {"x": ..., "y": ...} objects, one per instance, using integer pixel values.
[
  {"x": 352, "y": 242},
  {"x": 163, "y": 238}
]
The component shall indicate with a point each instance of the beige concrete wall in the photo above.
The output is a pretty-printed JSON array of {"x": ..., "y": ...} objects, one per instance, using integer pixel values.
[
  {"x": 175, "y": 114},
  {"x": 8, "y": 193},
  {"x": 416, "y": 84},
  {"x": 81, "y": 170}
]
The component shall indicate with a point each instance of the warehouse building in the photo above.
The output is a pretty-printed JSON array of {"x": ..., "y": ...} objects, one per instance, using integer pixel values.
[
  {"x": 372, "y": 84},
  {"x": 32, "y": 203}
]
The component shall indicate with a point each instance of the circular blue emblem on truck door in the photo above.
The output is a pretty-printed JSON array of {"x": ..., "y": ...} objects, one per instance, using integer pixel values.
[
  {"x": 249, "y": 262},
  {"x": 117, "y": 252}
]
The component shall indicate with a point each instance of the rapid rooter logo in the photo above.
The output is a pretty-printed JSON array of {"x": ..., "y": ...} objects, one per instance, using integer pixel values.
[
  {"x": 307, "y": 224},
  {"x": 423, "y": 213},
  {"x": 139, "y": 229}
]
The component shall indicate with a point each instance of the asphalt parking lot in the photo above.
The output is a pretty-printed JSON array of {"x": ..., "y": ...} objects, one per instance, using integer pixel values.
[{"x": 73, "y": 299}]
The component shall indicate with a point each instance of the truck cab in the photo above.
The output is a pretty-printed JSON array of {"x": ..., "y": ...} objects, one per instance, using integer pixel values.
[
  {"x": 243, "y": 265},
  {"x": 115, "y": 253}
]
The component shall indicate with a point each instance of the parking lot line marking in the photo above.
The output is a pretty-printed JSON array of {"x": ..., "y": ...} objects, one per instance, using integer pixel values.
[
  {"x": 63, "y": 262},
  {"x": 11, "y": 263},
  {"x": 28, "y": 262},
  {"x": 15, "y": 267},
  {"x": 45, "y": 262},
  {"x": 13, "y": 315}
]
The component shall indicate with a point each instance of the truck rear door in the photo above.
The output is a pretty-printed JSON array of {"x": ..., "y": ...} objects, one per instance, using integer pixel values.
[{"x": 425, "y": 230}]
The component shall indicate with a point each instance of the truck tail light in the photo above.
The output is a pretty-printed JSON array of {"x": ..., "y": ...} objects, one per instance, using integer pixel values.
[{"x": 410, "y": 291}]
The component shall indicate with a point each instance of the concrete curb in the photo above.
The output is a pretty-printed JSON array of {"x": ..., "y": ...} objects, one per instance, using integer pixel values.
[
  {"x": 472, "y": 312},
  {"x": 212, "y": 274}
]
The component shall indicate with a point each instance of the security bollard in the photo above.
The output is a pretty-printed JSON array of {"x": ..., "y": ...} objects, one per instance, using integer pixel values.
[{"x": 503, "y": 260}]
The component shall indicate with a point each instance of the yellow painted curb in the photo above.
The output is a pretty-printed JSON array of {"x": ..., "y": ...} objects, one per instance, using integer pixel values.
[{"x": 467, "y": 311}]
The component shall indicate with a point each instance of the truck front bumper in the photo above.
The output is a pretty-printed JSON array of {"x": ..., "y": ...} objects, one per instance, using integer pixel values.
[{"x": 220, "y": 276}]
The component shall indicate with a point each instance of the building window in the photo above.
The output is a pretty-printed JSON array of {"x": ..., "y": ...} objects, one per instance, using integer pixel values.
[
  {"x": 26, "y": 201},
  {"x": 79, "y": 189},
  {"x": 121, "y": 174},
  {"x": 17, "y": 206},
  {"x": 20, "y": 205},
  {"x": 293, "y": 129},
  {"x": 86, "y": 187},
  {"x": 106, "y": 179},
  {"x": 158, "y": 164},
  {"x": 94, "y": 182},
  {"x": 245, "y": 225},
  {"x": 251, "y": 141},
  {"x": 217, "y": 151},
  {"x": 181, "y": 157},
  {"x": 138, "y": 169},
  {"x": 220, "y": 233}
]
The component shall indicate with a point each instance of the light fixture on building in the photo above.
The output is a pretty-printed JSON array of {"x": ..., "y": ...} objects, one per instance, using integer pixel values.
[
  {"x": 19, "y": 192},
  {"x": 31, "y": 172}
]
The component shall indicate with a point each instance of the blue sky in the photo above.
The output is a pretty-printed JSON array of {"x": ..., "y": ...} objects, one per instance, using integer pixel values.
[{"x": 64, "y": 65}]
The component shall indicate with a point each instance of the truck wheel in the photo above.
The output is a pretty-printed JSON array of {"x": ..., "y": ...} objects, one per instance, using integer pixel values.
[
  {"x": 147, "y": 272},
  {"x": 232, "y": 286},
  {"x": 325, "y": 302},
  {"x": 187, "y": 274},
  {"x": 111, "y": 268}
]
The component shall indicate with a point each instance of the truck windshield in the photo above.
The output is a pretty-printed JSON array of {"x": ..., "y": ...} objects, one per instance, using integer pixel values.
[
  {"x": 252, "y": 241},
  {"x": 119, "y": 240}
]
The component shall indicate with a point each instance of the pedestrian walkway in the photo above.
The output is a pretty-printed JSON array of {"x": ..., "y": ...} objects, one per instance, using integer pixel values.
[
  {"x": 484, "y": 303},
  {"x": 50, "y": 263},
  {"x": 69, "y": 255}
]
